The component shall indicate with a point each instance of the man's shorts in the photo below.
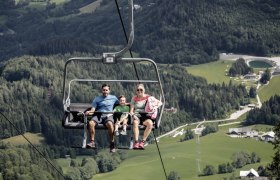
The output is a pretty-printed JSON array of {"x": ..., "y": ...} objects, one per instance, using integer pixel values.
[{"x": 103, "y": 119}]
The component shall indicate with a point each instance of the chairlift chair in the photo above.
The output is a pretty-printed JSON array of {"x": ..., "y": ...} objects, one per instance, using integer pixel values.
[{"x": 74, "y": 117}]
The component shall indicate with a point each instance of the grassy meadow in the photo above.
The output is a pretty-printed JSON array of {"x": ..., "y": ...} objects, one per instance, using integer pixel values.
[
  {"x": 35, "y": 139},
  {"x": 273, "y": 88},
  {"x": 213, "y": 72}
]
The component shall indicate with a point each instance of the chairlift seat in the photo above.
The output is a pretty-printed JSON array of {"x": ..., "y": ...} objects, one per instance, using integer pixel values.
[{"x": 74, "y": 117}]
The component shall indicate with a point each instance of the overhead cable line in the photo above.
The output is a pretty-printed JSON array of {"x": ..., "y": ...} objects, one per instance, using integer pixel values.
[
  {"x": 41, "y": 154},
  {"x": 118, "y": 9},
  {"x": 125, "y": 34}
]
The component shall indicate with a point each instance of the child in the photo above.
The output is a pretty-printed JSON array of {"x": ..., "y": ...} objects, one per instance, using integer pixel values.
[{"x": 124, "y": 117}]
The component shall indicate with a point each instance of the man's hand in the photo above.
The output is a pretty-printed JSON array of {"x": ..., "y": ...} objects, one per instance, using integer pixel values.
[{"x": 88, "y": 113}]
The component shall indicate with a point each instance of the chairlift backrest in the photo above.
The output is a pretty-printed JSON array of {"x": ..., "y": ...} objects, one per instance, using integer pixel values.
[{"x": 72, "y": 110}]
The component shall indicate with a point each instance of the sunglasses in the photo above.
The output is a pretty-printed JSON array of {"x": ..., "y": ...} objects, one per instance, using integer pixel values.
[{"x": 139, "y": 90}]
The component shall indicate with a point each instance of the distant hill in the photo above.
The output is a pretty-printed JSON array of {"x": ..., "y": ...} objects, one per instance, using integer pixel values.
[
  {"x": 32, "y": 92},
  {"x": 178, "y": 31}
]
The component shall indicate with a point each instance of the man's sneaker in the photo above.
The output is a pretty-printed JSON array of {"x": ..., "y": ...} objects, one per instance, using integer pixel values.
[
  {"x": 117, "y": 133},
  {"x": 112, "y": 147},
  {"x": 91, "y": 144},
  {"x": 123, "y": 132},
  {"x": 136, "y": 145},
  {"x": 141, "y": 145}
]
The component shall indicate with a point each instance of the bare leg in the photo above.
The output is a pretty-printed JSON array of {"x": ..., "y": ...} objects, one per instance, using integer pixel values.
[
  {"x": 136, "y": 130},
  {"x": 117, "y": 125},
  {"x": 149, "y": 126},
  {"x": 110, "y": 127},
  {"x": 125, "y": 124},
  {"x": 91, "y": 127}
]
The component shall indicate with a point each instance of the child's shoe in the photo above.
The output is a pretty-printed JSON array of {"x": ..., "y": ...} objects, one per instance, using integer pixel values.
[{"x": 123, "y": 132}]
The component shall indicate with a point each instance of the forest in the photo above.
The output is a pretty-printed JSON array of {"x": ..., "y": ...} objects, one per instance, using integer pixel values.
[
  {"x": 239, "y": 67},
  {"x": 36, "y": 42},
  {"x": 269, "y": 113},
  {"x": 192, "y": 33}
]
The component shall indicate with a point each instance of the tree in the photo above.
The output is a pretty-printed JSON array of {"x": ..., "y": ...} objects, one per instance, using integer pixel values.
[
  {"x": 188, "y": 135},
  {"x": 173, "y": 176},
  {"x": 222, "y": 168},
  {"x": 265, "y": 76},
  {"x": 275, "y": 164},
  {"x": 73, "y": 173},
  {"x": 255, "y": 158},
  {"x": 239, "y": 67},
  {"x": 229, "y": 168},
  {"x": 253, "y": 92},
  {"x": 7, "y": 4},
  {"x": 209, "y": 170},
  {"x": 73, "y": 163},
  {"x": 240, "y": 159}
]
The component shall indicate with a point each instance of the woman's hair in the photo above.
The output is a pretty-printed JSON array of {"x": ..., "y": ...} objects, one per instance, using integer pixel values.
[{"x": 141, "y": 85}]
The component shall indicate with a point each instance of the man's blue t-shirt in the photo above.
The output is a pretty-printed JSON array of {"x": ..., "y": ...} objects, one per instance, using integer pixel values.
[{"x": 104, "y": 103}]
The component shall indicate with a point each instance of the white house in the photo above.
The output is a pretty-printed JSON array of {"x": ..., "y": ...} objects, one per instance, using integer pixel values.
[
  {"x": 276, "y": 71},
  {"x": 250, "y": 173},
  {"x": 239, "y": 131},
  {"x": 268, "y": 136},
  {"x": 251, "y": 76},
  {"x": 252, "y": 134}
]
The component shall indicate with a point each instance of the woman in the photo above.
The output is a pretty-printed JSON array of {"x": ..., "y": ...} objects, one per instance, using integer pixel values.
[{"x": 137, "y": 105}]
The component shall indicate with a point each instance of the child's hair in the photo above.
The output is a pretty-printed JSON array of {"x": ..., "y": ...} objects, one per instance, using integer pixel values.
[{"x": 121, "y": 96}]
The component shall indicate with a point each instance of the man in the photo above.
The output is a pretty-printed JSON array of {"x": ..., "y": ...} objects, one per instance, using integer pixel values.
[{"x": 103, "y": 103}]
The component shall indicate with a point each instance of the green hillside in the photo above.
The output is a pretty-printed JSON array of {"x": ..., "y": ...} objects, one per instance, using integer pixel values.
[{"x": 181, "y": 157}]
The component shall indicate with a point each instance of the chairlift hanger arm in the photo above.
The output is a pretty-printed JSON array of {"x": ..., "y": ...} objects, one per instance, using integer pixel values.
[{"x": 114, "y": 55}]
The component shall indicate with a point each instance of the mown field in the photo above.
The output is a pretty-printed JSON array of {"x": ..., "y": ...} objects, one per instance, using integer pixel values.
[
  {"x": 35, "y": 139},
  {"x": 214, "y": 72}
]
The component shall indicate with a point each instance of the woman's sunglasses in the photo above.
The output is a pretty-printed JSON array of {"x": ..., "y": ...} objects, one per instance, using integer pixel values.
[{"x": 139, "y": 89}]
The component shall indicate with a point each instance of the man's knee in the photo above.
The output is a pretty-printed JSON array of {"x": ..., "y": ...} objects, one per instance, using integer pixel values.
[
  {"x": 91, "y": 124},
  {"x": 109, "y": 124}
]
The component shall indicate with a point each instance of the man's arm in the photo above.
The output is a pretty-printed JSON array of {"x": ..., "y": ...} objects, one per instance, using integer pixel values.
[{"x": 90, "y": 112}]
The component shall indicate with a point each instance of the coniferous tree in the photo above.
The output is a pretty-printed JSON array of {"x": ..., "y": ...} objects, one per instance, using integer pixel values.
[
  {"x": 274, "y": 167},
  {"x": 253, "y": 92},
  {"x": 173, "y": 176},
  {"x": 265, "y": 76}
]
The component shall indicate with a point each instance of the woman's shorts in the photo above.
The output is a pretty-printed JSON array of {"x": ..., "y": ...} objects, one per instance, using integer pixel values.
[{"x": 140, "y": 117}]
